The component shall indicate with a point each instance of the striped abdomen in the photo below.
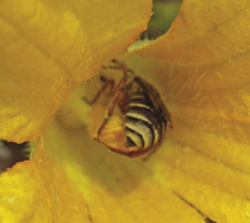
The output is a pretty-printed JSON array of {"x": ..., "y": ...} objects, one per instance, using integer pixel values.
[{"x": 144, "y": 125}]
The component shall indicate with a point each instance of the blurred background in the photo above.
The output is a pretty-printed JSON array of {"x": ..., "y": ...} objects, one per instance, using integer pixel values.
[{"x": 164, "y": 13}]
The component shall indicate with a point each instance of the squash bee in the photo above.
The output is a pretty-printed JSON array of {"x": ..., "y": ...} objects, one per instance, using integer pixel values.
[{"x": 145, "y": 117}]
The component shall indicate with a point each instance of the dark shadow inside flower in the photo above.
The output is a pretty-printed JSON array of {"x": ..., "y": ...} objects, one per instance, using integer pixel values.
[
  {"x": 12, "y": 153},
  {"x": 164, "y": 13}
]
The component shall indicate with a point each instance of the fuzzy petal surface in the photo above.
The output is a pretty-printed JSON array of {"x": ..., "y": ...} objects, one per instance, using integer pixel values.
[
  {"x": 48, "y": 47},
  {"x": 200, "y": 172},
  {"x": 203, "y": 74}
]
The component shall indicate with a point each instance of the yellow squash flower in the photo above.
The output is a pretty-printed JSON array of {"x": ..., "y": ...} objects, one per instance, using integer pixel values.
[{"x": 200, "y": 66}]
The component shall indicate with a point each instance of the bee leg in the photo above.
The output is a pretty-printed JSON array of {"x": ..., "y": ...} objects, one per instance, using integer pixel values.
[
  {"x": 123, "y": 103},
  {"x": 111, "y": 89},
  {"x": 103, "y": 88},
  {"x": 119, "y": 66},
  {"x": 118, "y": 93},
  {"x": 116, "y": 65},
  {"x": 109, "y": 113}
]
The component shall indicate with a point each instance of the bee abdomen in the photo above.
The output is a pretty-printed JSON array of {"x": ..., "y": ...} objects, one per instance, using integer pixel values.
[
  {"x": 144, "y": 125},
  {"x": 139, "y": 132}
]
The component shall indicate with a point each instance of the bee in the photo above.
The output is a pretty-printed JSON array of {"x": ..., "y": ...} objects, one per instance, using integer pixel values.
[{"x": 145, "y": 117}]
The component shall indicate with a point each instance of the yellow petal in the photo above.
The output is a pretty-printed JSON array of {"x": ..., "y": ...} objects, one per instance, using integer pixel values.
[
  {"x": 81, "y": 181},
  {"x": 37, "y": 191},
  {"x": 116, "y": 188},
  {"x": 202, "y": 164},
  {"x": 204, "y": 33},
  {"x": 48, "y": 47},
  {"x": 203, "y": 66}
]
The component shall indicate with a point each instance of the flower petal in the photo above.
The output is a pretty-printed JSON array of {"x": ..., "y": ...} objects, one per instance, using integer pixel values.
[
  {"x": 37, "y": 191},
  {"x": 48, "y": 47},
  {"x": 203, "y": 67},
  {"x": 81, "y": 181},
  {"x": 112, "y": 186}
]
